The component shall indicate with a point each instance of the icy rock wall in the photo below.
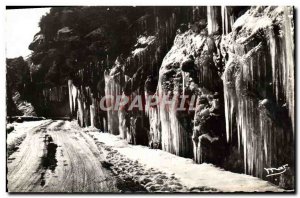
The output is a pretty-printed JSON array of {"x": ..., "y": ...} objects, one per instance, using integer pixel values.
[
  {"x": 259, "y": 88},
  {"x": 154, "y": 122},
  {"x": 82, "y": 105},
  {"x": 143, "y": 63},
  {"x": 129, "y": 124},
  {"x": 86, "y": 89},
  {"x": 55, "y": 94},
  {"x": 112, "y": 88},
  {"x": 72, "y": 95},
  {"x": 55, "y": 101},
  {"x": 155, "y": 35},
  {"x": 142, "y": 67},
  {"x": 188, "y": 69},
  {"x": 124, "y": 125}
]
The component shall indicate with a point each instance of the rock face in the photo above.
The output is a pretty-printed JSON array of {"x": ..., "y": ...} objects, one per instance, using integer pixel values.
[
  {"x": 189, "y": 70},
  {"x": 137, "y": 75},
  {"x": 113, "y": 89},
  {"x": 55, "y": 102},
  {"x": 24, "y": 107},
  {"x": 259, "y": 89},
  {"x": 38, "y": 40},
  {"x": 233, "y": 64}
]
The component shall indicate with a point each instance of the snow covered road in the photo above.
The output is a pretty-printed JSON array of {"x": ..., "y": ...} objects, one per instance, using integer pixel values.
[
  {"x": 59, "y": 156},
  {"x": 56, "y": 158}
]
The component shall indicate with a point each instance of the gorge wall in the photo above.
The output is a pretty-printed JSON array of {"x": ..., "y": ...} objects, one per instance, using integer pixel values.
[
  {"x": 235, "y": 65},
  {"x": 259, "y": 88}
]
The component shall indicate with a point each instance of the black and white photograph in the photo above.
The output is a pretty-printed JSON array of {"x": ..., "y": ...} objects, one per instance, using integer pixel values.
[{"x": 150, "y": 99}]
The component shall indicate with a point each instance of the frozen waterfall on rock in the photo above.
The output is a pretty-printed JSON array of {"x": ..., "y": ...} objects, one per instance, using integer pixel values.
[
  {"x": 259, "y": 88},
  {"x": 237, "y": 62}
]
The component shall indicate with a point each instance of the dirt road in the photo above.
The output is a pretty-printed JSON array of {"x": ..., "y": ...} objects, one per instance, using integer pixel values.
[{"x": 57, "y": 157}]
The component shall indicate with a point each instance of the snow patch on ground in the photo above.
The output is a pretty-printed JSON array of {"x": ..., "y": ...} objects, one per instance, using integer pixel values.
[
  {"x": 190, "y": 174},
  {"x": 15, "y": 137},
  {"x": 21, "y": 129}
]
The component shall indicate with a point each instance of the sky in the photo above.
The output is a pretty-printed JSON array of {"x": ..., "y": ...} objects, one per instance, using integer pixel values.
[{"x": 21, "y": 26}]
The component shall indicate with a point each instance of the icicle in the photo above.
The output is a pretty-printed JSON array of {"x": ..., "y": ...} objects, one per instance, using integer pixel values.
[
  {"x": 290, "y": 74},
  {"x": 80, "y": 112},
  {"x": 212, "y": 24},
  {"x": 175, "y": 139},
  {"x": 223, "y": 12},
  {"x": 92, "y": 113},
  {"x": 157, "y": 24},
  {"x": 183, "y": 82},
  {"x": 104, "y": 125},
  {"x": 70, "y": 84},
  {"x": 273, "y": 54},
  {"x": 112, "y": 89}
]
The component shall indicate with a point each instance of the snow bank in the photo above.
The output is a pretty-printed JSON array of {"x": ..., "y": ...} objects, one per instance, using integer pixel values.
[
  {"x": 191, "y": 175},
  {"x": 20, "y": 130}
]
